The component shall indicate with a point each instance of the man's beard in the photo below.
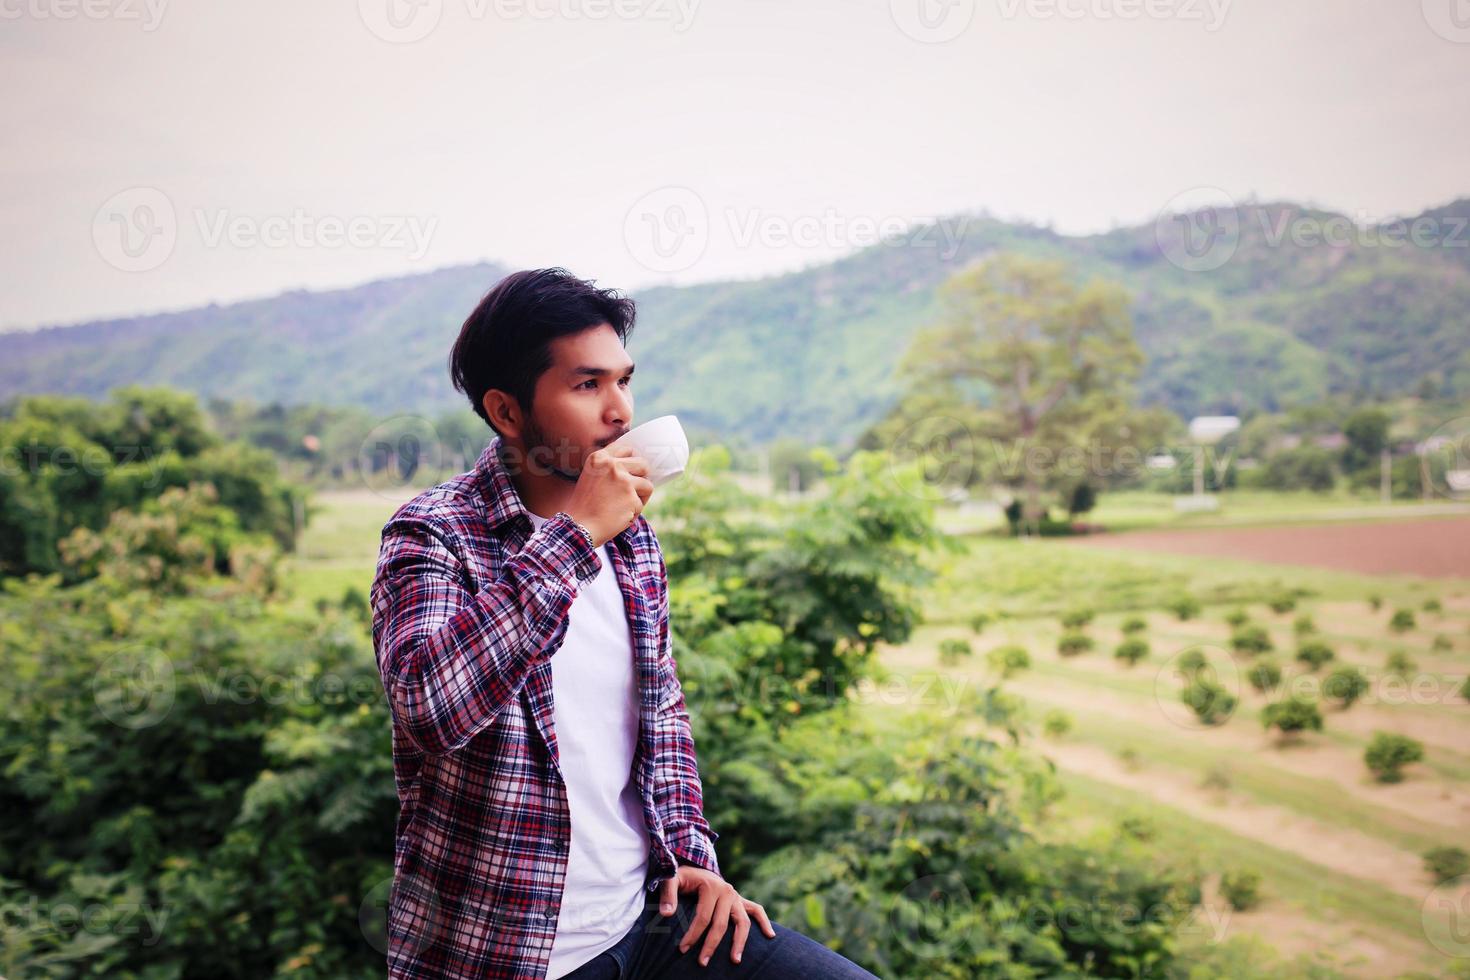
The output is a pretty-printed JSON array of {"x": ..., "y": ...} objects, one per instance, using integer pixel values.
[{"x": 535, "y": 440}]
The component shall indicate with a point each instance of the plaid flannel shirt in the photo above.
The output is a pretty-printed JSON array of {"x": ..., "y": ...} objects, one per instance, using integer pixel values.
[{"x": 469, "y": 606}]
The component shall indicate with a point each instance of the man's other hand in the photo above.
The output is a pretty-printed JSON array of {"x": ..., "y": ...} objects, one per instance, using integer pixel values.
[{"x": 719, "y": 903}]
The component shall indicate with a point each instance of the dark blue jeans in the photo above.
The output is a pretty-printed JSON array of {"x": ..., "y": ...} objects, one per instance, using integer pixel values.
[{"x": 650, "y": 951}]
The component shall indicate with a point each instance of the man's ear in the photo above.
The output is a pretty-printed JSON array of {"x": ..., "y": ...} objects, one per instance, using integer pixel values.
[{"x": 504, "y": 412}]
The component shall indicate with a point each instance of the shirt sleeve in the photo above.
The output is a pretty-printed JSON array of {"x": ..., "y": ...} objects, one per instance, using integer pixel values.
[
  {"x": 677, "y": 791},
  {"x": 451, "y": 659}
]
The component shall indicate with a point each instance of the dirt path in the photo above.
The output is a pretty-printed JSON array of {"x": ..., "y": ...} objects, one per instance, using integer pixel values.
[{"x": 1437, "y": 547}]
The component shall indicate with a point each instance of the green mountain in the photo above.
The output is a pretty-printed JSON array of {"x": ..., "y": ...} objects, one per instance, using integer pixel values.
[{"x": 1289, "y": 318}]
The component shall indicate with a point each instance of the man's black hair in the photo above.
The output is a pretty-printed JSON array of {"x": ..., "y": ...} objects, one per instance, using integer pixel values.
[{"x": 506, "y": 342}]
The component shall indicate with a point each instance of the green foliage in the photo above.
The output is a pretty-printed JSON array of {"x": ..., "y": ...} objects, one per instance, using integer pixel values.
[
  {"x": 1433, "y": 605},
  {"x": 1056, "y": 723},
  {"x": 1345, "y": 685},
  {"x": 1208, "y": 699},
  {"x": 952, "y": 651},
  {"x": 1074, "y": 642},
  {"x": 1303, "y": 468},
  {"x": 1076, "y": 619},
  {"x": 1185, "y": 607},
  {"x": 979, "y": 621},
  {"x": 1007, "y": 661},
  {"x": 1264, "y": 675},
  {"x": 1314, "y": 653},
  {"x": 1241, "y": 887},
  {"x": 1251, "y": 639},
  {"x": 1375, "y": 602},
  {"x": 1132, "y": 625},
  {"x": 1446, "y": 863},
  {"x": 1442, "y": 643},
  {"x": 1303, "y": 625},
  {"x": 1387, "y": 754},
  {"x": 1282, "y": 602},
  {"x": 71, "y": 465},
  {"x": 1131, "y": 650},
  {"x": 1237, "y": 617},
  {"x": 1191, "y": 662},
  {"x": 213, "y": 777},
  {"x": 1400, "y": 664},
  {"x": 1293, "y": 715},
  {"x": 1402, "y": 620}
]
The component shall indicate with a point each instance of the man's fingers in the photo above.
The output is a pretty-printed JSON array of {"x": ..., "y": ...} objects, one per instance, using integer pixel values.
[
  {"x": 742, "y": 930},
  {"x": 668, "y": 896},
  {"x": 702, "y": 913},
  {"x": 760, "y": 916},
  {"x": 636, "y": 465},
  {"x": 718, "y": 926}
]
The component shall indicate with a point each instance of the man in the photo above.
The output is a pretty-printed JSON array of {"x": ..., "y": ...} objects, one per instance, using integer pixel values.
[{"x": 551, "y": 818}]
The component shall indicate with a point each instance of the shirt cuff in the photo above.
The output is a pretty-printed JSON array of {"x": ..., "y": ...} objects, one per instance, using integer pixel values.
[
  {"x": 557, "y": 547},
  {"x": 693, "y": 846}
]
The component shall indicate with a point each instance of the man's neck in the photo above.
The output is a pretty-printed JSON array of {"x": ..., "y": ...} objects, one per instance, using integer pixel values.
[{"x": 543, "y": 494}]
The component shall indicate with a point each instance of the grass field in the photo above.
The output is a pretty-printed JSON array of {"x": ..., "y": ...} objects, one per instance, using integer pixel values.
[{"x": 1339, "y": 853}]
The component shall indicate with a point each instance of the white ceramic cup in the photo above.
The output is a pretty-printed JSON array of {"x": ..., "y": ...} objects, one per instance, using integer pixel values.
[{"x": 662, "y": 442}]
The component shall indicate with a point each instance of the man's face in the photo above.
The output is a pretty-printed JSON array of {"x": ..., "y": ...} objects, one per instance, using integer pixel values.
[{"x": 583, "y": 401}]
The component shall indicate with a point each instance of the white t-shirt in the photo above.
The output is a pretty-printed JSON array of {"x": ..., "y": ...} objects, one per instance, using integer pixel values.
[{"x": 595, "y": 702}]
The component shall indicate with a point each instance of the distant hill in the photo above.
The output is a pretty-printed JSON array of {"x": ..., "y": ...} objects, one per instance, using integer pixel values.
[{"x": 810, "y": 354}]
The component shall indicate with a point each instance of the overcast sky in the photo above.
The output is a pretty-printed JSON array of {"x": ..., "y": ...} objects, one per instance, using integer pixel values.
[{"x": 162, "y": 155}]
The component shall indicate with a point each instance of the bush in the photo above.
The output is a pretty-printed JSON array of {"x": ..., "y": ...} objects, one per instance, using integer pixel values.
[
  {"x": 1465, "y": 689},
  {"x": 1218, "y": 777},
  {"x": 1292, "y": 716},
  {"x": 1074, "y": 642},
  {"x": 1446, "y": 863},
  {"x": 1056, "y": 723},
  {"x": 1442, "y": 644},
  {"x": 1401, "y": 621},
  {"x": 1433, "y": 606},
  {"x": 1375, "y": 602},
  {"x": 1076, "y": 619},
  {"x": 1387, "y": 754},
  {"x": 1191, "y": 662},
  {"x": 1303, "y": 625},
  {"x": 1241, "y": 888},
  {"x": 1185, "y": 607},
  {"x": 1131, "y": 650},
  {"x": 1237, "y": 618},
  {"x": 978, "y": 622},
  {"x": 952, "y": 651},
  {"x": 1132, "y": 625},
  {"x": 1211, "y": 703},
  {"x": 1282, "y": 602},
  {"x": 1345, "y": 685},
  {"x": 1008, "y": 661},
  {"x": 1251, "y": 639},
  {"x": 1314, "y": 653},
  {"x": 1400, "y": 664},
  {"x": 1264, "y": 675}
]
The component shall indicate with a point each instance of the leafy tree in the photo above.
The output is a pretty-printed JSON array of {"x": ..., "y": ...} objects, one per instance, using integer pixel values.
[
  {"x": 1251, "y": 639},
  {"x": 1074, "y": 642},
  {"x": 1056, "y": 359},
  {"x": 1367, "y": 434},
  {"x": 1208, "y": 699},
  {"x": 1185, "y": 607},
  {"x": 1387, "y": 754},
  {"x": 1241, "y": 887},
  {"x": 1345, "y": 685},
  {"x": 1264, "y": 675},
  {"x": 1007, "y": 661},
  {"x": 1446, "y": 863},
  {"x": 1131, "y": 650},
  {"x": 1292, "y": 716},
  {"x": 1314, "y": 653}
]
